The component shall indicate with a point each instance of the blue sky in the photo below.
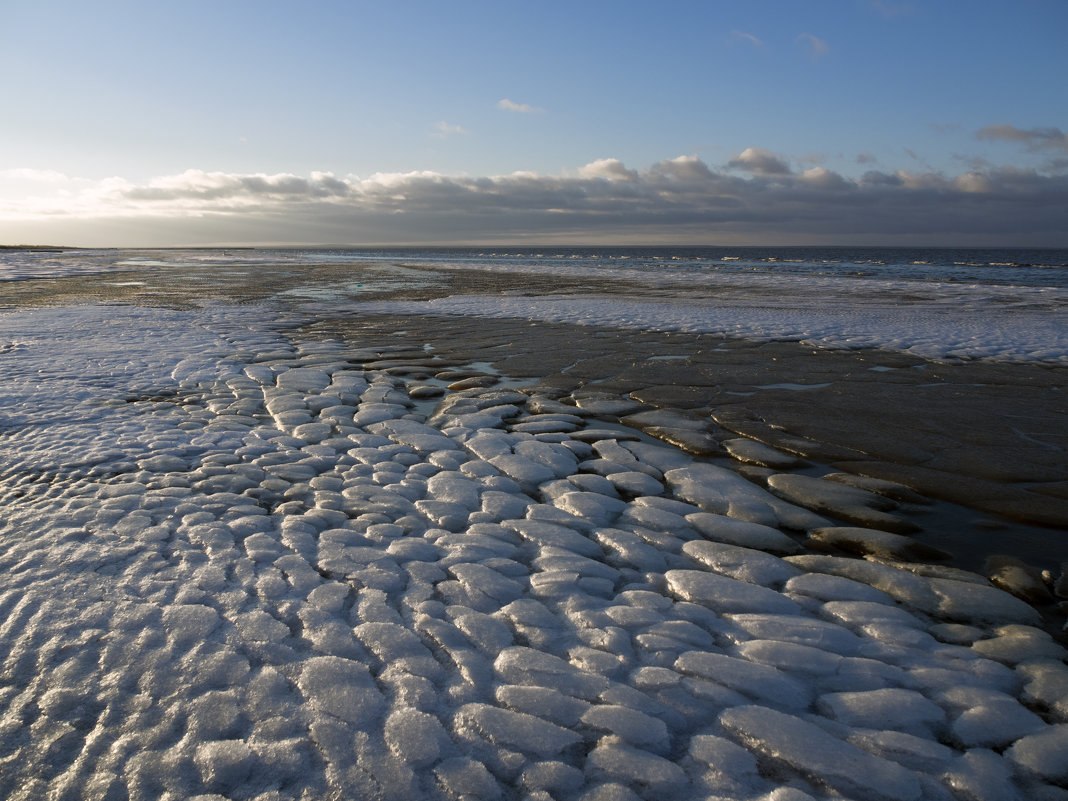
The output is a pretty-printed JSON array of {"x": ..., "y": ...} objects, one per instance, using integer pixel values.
[{"x": 152, "y": 123}]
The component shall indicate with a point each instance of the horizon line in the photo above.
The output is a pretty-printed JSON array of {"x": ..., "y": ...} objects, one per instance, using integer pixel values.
[{"x": 470, "y": 245}]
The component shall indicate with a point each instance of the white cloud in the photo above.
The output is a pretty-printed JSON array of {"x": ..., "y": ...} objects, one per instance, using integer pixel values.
[
  {"x": 822, "y": 178},
  {"x": 815, "y": 46},
  {"x": 444, "y": 129},
  {"x": 683, "y": 170},
  {"x": 682, "y": 198},
  {"x": 922, "y": 180},
  {"x": 608, "y": 169},
  {"x": 973, "y": 182},
  {"x": 523, "y": 108},
  {"x": 40, "y": 176},
  {"x": 759, "y": 161}
]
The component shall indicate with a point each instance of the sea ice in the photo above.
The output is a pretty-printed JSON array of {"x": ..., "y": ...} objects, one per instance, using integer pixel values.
[
  {"x": 518, "y": 730},
  {"x": 790, "y": 656},
  {"x": 954, "y": 600},
  {"x": 724, "y": 594},
  {"x": 810, "y": 750},
  {"x": 1015, "y": 644},
  {"x": 852, "y": 504},
  {"x": 243, "y": 566},
  {"x": 989, "y": 719},
  {"x": 743, "y": 564},
  {"x": 1044, "y": 754},
  {"x": 1046, "y": 683},
  {"x": 890, "y": 708},
  {"x": 600, "y": 510},
  {"x": 981, "y": 774},
  {"x": 526, "y": 666},
  {"x": 554, "y": 535},
  {"x": 613, "y": 760},
  {"x": 757, "y": 681},
  {"x": 340, "y": 688},
  {"x": 744, "y": 533}
]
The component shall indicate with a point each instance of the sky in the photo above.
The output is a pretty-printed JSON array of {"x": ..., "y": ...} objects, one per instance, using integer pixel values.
[{"x": 885, "y": 122}]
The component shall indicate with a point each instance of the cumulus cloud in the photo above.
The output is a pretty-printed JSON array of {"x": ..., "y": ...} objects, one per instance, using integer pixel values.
[
  {"x": 1034, "y": 140},
  {"x": 755, "y": 198},
  {"x": 608, "y": 169},
  {"x": 822, "y": 178},
  {"x": 522, "y": 108},
  {"x": 758, "y": 161},
  {"x": 682, "y": 170}
]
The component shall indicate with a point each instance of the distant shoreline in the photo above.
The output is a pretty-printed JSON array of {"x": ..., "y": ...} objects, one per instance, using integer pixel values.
[
  {"x": 32, "y": 248},
  {"x": 529, "y": 246}
]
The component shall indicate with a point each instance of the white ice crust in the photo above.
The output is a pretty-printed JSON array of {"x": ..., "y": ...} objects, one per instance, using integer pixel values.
[
  {"x": 232, "y": 565},
  {"x": 948, "y": 322}
]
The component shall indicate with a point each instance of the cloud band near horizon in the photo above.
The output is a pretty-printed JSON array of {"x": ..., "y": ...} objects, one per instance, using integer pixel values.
[{"x": 755, "y": 197}]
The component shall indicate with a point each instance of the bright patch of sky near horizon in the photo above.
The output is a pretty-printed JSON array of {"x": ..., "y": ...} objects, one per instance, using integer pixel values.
[{"x": 143, "y": 90}]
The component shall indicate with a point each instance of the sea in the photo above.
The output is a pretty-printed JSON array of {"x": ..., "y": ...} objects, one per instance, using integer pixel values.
[{"x": 1001, "y": 267}]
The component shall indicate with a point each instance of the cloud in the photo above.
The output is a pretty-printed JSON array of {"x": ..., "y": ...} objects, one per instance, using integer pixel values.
[
  {"x": 197, "y": 187},
  {"x": 758, "y": 161},
  {"x": 973, "y": 182},
  {"x": 608, "y": 169},
  {"x": 41, "y": 176},
  {"x": 522, "y": 108},
  {"x": 746, "y": 37},
  {"x": 815, "y": 46},
  {"x": 755, "y": 198},
  {"x": 822, "y": 178},
  {"x": 1034, "y": 140},
  {"x": 866, "y": 158},
  {"x": 444, "y": 129},
  {"x": 682, "y": 170}
]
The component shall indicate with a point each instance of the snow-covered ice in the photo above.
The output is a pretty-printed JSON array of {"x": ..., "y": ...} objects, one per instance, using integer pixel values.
[{"x": 237, "y": 564}]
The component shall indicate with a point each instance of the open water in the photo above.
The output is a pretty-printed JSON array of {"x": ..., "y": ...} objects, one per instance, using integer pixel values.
[{"x": 1021, "y": 267}]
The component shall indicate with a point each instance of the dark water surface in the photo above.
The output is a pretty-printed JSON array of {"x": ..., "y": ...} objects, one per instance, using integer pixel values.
[{"x": 1023, "y": 267}]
